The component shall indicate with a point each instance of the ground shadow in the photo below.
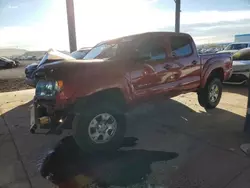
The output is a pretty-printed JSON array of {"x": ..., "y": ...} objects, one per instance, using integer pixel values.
[
  {"x": 120, "y": 168},
  {"x": 66, "y": 163}
]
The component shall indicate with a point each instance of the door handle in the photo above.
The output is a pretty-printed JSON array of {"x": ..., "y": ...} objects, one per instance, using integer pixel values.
[{"x": 194, "y": 62}]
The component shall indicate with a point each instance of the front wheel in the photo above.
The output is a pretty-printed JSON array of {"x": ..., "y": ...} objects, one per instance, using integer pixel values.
[
  {"x": 209, "y": 96},
  {"x": 99, "y": 128}
]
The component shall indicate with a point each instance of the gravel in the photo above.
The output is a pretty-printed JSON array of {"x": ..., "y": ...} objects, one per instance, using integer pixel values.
[{"x": 14, "y": 84}]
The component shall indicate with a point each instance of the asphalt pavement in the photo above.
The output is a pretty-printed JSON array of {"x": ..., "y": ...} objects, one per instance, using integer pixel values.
[
  {"x": 174, "y": 144},
  {"x": 13, "y": 79},
  {"x": 16, "y": 72}
]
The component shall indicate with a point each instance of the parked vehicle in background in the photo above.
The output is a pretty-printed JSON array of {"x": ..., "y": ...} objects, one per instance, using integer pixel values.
[
  {"x": 79, "y": 54},
  {"x": 8, "y": 63},
  {"x": 92, "y": 95},
  {"x": 234, "y": 47},
  {"x": 51, "y": 56},
  {"x": 241, "y": 67}
]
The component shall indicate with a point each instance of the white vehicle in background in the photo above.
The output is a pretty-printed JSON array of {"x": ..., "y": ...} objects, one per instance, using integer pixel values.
[
  {"x": 236, "y": 46},
  {"x": 241, "y": 67}
]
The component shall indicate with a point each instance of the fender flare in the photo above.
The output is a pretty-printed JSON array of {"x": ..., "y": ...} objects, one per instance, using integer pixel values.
[
  {"x": 209, "y": 67},
  {"x": 113, "y": 94}
]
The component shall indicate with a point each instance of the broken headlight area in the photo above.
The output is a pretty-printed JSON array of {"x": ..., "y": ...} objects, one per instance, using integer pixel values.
[{"x": 46, "y": 88}]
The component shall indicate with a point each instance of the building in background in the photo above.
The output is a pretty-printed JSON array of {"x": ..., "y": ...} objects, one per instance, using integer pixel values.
[{"x": 242, "y": 38}]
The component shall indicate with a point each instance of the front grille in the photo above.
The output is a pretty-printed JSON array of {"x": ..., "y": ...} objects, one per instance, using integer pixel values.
[{"x": 237, "y": 78}]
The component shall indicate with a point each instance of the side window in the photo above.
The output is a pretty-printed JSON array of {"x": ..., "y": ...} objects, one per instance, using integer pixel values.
[
  {"x": 153, "y": 49},
  {"x": 181, "y": 46}
]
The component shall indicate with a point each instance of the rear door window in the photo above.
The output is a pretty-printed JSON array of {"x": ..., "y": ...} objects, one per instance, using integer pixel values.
[{"x": 181, "y": 46}]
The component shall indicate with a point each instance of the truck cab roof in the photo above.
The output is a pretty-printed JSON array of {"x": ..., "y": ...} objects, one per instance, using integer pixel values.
[{"x": 156, "y": 33}]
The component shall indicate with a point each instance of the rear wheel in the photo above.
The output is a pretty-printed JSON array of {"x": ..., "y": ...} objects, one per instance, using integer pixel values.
[
  {"x": 99, "y": 128},
  {"x": 209, "y": 96}
]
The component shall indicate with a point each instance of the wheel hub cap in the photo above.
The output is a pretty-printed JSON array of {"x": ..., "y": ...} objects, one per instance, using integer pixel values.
[
  {"x": 102, "y": 128},
  {"x": 213, "y": 93}
]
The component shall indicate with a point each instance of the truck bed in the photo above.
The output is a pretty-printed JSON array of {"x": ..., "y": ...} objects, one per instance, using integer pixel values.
[{"x": 205, "y": 57}]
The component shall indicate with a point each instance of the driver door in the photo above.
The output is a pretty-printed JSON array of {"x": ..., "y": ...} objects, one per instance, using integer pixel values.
[{"x": 151, "y": 69}]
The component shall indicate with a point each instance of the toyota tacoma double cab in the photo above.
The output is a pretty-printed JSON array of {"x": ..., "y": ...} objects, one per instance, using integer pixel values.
[{"x": 92, "y": 95}]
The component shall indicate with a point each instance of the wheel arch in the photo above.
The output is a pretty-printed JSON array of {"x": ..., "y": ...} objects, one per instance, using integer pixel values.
[
  {"x": 113, "y": 95},
  {"x": 215, "y": 73},
  {"x": 218, "y": 73}
]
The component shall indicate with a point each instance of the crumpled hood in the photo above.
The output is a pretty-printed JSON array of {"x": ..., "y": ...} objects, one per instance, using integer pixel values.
[
  {"x": 73, "y": 62},
  {"x": 71, "y": 67},
  {"x": 54, "y": 55}
]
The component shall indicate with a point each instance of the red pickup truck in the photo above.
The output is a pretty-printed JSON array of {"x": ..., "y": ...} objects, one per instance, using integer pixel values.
[{"x": 92, "y": 95}]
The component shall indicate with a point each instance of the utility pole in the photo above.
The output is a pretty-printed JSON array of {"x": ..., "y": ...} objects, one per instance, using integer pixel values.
[
  {"x": 177, "y": 15},
  {"x": 71, "y": 25}
]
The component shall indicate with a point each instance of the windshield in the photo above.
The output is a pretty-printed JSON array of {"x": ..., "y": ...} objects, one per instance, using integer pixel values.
[
  {"x": 121, "y": 48},
  {"x": 79, "y": 54},
  {"x": 102, "y": 51},
  {"x": 236, "y": 46}
]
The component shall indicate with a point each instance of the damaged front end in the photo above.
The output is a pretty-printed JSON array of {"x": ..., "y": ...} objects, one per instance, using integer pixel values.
[{"x": 44, "y": 114}]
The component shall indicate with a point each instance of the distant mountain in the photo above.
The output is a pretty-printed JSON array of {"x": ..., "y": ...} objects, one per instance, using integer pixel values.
[
  {"x": 15, "y": 52},
  {"x": 34, "y": 53},
  {"x": 11, "y": 52}
]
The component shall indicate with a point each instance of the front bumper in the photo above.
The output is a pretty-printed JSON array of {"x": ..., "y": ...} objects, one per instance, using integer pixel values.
[
  {"x": 44, "y": 118},
  {"x": 241, "y": 70},
  {"x": 238, "y": 77}
]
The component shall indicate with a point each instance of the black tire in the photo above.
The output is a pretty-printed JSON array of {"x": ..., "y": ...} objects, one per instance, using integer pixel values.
[
  {"x": 81, "y": 124},
  {"x": 203, "y": 94}
]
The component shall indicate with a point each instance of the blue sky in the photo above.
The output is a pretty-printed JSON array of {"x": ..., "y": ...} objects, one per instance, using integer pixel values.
[{"x": 41, "y": 24}]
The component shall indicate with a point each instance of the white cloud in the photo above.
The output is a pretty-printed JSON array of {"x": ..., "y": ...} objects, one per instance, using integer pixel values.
[
  {"x": 98, "y": 20},
  {"x": 12, "y": 6},
  {"x": 112, "y": 18},
  {"x": 32, "y": 37},
  {"x": 213, "y": 16}
]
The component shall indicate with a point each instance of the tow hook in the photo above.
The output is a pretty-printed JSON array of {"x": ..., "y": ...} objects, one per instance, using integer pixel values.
[{"x": 44, "y": 120}]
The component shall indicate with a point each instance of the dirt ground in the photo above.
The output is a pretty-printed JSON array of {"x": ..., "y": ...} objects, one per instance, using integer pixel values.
[
  {"x": 14, "y": 84},
  {"x": 174, "y": 143}
]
